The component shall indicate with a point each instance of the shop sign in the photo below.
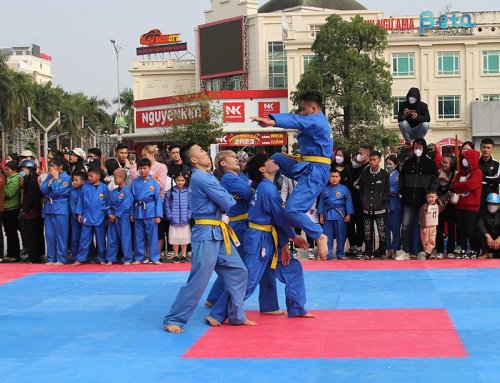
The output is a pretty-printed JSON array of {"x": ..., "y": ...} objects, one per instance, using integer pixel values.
[
  {"x": 392, "y": 24},
  {"x": 447, "y": 25},
  {"x": 253, "y": 139},
  {"x": 268, "y": 107},
  {"x": 234, "y": 111},
  {"x": 167, "y": 117}
]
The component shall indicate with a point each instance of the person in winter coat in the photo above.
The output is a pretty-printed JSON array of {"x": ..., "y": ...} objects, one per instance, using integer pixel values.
[
  {"x": 468, "y": 184},
  {"x": 418, "y": 175},
  {"x": 413, "y": 117},
  {"x": 177, "y": 209},
  {"x": 447, "y": 216}
]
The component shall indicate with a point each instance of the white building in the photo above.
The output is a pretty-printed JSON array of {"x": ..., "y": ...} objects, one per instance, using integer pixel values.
[
  {"x": 453, "y": 60},
  {"x": 31, "y": 61}
]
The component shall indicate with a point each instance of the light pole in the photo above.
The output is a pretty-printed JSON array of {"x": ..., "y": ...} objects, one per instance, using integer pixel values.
[{"x": 117, "y": 50}]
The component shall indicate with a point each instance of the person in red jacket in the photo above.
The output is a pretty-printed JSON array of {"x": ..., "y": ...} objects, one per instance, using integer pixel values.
[{"x": 468, "y": 184}]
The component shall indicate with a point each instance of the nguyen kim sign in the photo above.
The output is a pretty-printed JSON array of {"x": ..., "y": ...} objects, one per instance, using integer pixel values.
[
  {"x": 454, "y": 24},
  {"x": 159, "y": 118}
]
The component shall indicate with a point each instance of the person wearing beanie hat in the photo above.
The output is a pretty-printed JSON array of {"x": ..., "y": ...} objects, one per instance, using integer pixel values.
[{"x": 77, "y": 159}]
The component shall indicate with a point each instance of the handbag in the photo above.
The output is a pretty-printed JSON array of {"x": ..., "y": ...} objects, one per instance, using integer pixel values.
[{"x": 454, "y": 197}]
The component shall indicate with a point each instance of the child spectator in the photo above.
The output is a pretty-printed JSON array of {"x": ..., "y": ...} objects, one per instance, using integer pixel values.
[
  {"x": 393, "y": 215},
  {"x": 447, "y": 216},
  {"x": 12, "y": 209},
  {"x": 56, "y": 188},
  {"x": 177, "y": 209},
  {"x": 489, "y": 226},
  {"x": 335, "y": 209},
  {"x": 374, "y": 189},
  {"x": 78, "y": 179},
  {"x": 119, "y": 211},
  {"x": 147, "y": 213},
  {"x": 91, "y": 212},
  {"x": 468, "y": 184},
  {"x": 31, "y": 211},
  {"x": 428, "y": 219}
]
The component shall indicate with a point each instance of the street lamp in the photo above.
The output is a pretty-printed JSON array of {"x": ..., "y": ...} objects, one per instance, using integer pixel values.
[{"x": 117, "y": 50}]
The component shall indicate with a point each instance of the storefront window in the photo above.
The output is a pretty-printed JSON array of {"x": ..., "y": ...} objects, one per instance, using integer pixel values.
[
  {"x": 491, "y": 97},
  {"x": 491, "y": 62},
  {"x": 448, "y": 63},
  {"x": 307, "y": 60},
  {"x": 403, "y": 64},
  {"x": 277, "y": 65},
  {"x": 449, "y": 107}
]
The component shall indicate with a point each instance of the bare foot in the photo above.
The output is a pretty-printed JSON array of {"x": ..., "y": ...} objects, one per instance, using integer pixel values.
[
  {"x": 109, "y": 263},
  {"x": 126, "y": 263},
  {"x": 209, "y": 304},
  {"x": 136, "y": 263},
  {"x": 308, "y": 315},
  {"x": 76, "y": 264},
  {"x": 102, "y": 263},
  {"x": 157, "y": 262},
  {"x": 49, "y": 263},
  {"x": 211, "y": 321},
  {"x": 322, "y": 243},
  {"x": 173, "y": 328},
  {"x": 249, "y": 322},
  {"x": 275, "y": 312},
  {"x": 58, "y": 264}
]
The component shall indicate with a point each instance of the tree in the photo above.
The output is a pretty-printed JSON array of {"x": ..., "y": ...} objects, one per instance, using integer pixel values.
[
  {"x": 198, "y": 120},
  {"x": 351, "y": 73}
]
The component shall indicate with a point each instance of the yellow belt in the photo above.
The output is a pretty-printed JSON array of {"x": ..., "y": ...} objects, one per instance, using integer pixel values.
[
  {"x": 240, "y": 217},
  {"x": 269, "y": 229},
  {"x": 299, "y": 158},
  {"x": 227, "y": 232}
]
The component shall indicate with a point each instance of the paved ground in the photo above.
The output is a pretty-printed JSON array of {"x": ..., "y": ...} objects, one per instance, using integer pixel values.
[{"x": 378, "y": 321}]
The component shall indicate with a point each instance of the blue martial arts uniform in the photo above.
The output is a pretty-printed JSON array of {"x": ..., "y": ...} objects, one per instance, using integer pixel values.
[
  {"x": 92, "y": 206},
  {"x": 119, "y": 232},
  {"x": 335, "y": 204},
  {"x": 56, "y": 212},
  {"x": 76, "y": 227},
  {"x": 315, "y": 139},
  {"x": 208, "y": 201},
  {"x": 265, "y": 209},
  {"x": 147, "y": 206},
  {"x": 394, "y": 215},
  {"x": 239, "y": 185}
]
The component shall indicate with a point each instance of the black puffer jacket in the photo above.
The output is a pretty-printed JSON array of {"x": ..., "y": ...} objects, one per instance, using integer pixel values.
[
  {"x": 417, "y": 176},
  {"x": 420, "y": 107}
]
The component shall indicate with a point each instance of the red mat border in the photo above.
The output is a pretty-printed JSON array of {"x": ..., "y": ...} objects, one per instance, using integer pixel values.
[{"x": 13, "y": 271}]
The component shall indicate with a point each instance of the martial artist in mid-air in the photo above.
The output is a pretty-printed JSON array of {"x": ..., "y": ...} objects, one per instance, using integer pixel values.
[{"x": 312, "y": 169}]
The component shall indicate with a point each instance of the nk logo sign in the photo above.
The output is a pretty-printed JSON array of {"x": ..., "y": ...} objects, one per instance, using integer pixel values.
[
  {"x": 234, "y": 111},
  {"x": 448, "y": 25}
]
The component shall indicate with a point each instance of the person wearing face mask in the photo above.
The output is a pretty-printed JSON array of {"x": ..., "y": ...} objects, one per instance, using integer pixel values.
[
  {"x": 489, "y": 226},
  {"x": 413, "y": 117},
  {"x": 468, "y": 184},
  {"x": 355, "y": 228},
  {"x": 447, "y": 216},
  {"x": 342, "y": 163},
  {"x": 418, "y": 175}
]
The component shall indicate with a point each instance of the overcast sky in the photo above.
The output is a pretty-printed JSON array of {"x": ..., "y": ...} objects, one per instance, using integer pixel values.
[{"x": 77, "y": 33}]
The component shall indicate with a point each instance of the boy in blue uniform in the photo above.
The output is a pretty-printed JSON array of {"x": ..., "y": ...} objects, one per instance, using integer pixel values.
[
  {"x": 268, "y": 235},
  {"x": 78, "y": 179},
  {"x": 91, "y": 213},
  {"x": 119, "y": 233},
  {"x": 313, "y": 168},
  {"x": 147, "y": 213},
  {"x": 56, "y": 188},
  {"x": 335, "y": 209},
  {"x": 211, "y": 244},
  {"x": 240, "y": 189}
]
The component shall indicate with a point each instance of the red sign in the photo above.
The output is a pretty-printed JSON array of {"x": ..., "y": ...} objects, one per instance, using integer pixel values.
[
  {"x": 155, "y": 37},
  {"x": 168, "y": 116},
  {"x": 392, "y": 24},
  {"x": 177, "y": 47},
  {"x": 268, "y": 107},
  {"x": 253, "y": 139},
  {"x": 234, "y": 111}
]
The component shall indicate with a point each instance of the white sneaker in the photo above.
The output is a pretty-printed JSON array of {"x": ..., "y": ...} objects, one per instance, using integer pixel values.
[
  {"x": 402, "y": 256},
  {"x": 310, "y": 254},
  {"x": 422, "y": 256},
  {"x": 439, "y": 256}
]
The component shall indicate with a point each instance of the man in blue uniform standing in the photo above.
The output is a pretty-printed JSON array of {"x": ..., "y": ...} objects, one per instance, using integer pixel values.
[
  {"x": 211, "y": 244},
  {"x": 312, "y": 170},
  {"x": 239, "y": 188},
  {"x": 56, "y": 189},
  {"x": 267, "y": 237}
]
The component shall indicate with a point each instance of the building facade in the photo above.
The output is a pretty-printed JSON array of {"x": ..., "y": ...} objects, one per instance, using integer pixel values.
[
  {"x": 31, "y": 61},
  {"x": 453, "y": 59}
]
